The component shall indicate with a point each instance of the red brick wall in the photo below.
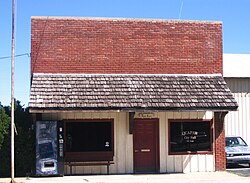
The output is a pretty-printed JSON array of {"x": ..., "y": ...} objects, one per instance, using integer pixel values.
[
  {"x": 220, "y": 155},
  {"x": 78, "y": 45}
]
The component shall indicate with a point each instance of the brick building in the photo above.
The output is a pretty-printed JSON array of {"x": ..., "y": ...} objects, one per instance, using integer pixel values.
[{"x": 137, "y": 95}]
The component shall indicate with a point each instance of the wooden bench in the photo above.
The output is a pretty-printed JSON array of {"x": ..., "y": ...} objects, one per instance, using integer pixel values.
[{"x": 95, "y": 163}]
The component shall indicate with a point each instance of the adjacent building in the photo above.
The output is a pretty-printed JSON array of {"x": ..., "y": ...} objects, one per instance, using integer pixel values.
[{"x": 237, "y": 76}]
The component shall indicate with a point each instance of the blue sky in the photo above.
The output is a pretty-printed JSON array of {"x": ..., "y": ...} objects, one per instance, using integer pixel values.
[{"x": 234, "y": 14}]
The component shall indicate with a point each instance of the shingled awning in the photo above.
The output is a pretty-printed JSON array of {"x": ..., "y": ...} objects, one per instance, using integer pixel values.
[{"x": 128, "y": 92}]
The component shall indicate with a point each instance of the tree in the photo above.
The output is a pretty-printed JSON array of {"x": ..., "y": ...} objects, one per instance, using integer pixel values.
[
  {"x": 24, "y": 143},
  {"x": 4, "y": 125},
  {"x": 4, "y": 141}
]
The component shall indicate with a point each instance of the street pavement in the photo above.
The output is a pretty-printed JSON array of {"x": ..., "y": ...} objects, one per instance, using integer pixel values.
[
  {"x": 241, "y": 169},
  {"x": 199, "y": 177}
]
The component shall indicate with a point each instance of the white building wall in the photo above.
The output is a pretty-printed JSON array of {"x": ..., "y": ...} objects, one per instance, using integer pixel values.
[
  {"x": 238, "y": 123},
  {"x": 123, "y": 142}
]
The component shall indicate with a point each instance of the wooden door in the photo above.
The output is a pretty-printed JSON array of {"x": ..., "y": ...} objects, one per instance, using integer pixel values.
[{"x": 146, "y": 145}]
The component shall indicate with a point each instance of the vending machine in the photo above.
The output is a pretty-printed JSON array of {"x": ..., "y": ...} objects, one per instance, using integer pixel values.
[{"x": 49, "y": 148}]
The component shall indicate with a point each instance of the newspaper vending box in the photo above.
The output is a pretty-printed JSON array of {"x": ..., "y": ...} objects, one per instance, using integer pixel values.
[{"x": 49, "y": 148}]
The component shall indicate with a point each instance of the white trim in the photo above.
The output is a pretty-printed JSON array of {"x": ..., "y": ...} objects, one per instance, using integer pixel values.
[{"x": 82, "y": 74}]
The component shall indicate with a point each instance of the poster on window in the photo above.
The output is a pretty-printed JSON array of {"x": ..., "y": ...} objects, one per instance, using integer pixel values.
[{"x": 46, "y": 148}]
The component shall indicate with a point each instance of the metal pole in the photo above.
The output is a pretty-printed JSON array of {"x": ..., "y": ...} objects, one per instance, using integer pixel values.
[{"x": 12, "y": 91}]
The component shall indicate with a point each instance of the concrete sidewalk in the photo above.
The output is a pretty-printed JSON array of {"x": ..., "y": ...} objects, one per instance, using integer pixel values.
[{"x": 204, "y": 177}]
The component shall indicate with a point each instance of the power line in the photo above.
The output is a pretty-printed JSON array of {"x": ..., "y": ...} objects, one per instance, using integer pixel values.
[
  {"x": 19, "y": 55},
  {"x": 180, "y": 10}
]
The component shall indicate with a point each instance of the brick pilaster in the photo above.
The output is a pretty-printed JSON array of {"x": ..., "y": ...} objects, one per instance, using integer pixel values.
[{"x": 220, "y": 156}]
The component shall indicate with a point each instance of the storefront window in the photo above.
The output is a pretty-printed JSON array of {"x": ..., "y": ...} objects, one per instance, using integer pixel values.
[
  {"x": 190, "y": 136},
  {"x": 88, "y": 136},
  {"x": 89, "y": 140}
]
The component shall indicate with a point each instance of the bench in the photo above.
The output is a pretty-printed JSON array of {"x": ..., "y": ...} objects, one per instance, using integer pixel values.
[{"x": 99, "y": 163}]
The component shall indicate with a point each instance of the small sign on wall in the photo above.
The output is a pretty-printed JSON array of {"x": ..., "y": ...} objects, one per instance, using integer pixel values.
[{"x": 145, "y": 115}]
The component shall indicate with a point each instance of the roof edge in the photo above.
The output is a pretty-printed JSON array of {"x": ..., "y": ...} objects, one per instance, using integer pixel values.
[
  {"x": 120, "y": 74},
  {"x": 56, "y": 110},
  {"x": 114, "y": 19}
]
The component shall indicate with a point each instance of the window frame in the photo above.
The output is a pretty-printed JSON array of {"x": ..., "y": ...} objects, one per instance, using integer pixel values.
[
  {"x": 190, "y": 152},
  {"x": 92, "y": 155}
]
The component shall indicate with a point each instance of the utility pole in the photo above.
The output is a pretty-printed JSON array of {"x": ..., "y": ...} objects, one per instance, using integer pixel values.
[{"x": 12, "y": 126}]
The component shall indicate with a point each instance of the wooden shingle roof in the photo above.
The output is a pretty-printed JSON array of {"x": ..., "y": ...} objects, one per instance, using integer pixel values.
[{"x": 129, "y": 92}]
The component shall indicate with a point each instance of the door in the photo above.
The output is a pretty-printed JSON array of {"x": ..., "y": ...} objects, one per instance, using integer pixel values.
[{"x": 146, "y": 145}]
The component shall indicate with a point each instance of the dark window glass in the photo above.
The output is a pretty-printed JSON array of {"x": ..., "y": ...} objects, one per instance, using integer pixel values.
[
  {"x": 88, "y": 136},
  {"x": 190, "y": 136}
]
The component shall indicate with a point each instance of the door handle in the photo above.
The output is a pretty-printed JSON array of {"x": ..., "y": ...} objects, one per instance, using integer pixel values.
[
  {"x": 145, "y": 150},
  {"x": 136, "y": 150}
]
